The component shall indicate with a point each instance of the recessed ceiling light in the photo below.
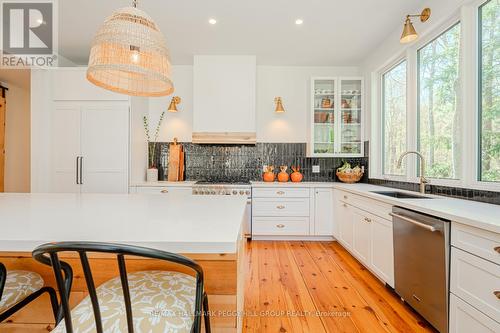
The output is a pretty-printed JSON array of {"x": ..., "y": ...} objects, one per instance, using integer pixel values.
[
  {"x": 299, "y": 21},
  {"x": 212, "y": 21}
]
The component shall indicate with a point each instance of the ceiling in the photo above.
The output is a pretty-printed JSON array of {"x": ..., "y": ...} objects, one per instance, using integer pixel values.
[{"x": 334, "y": 32}]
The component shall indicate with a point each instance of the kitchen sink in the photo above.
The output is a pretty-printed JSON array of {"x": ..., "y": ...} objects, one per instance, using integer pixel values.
[{"x": 401, "y": 195}]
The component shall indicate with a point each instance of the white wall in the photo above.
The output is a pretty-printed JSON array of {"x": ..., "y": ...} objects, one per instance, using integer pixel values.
[
  {"x": 17, "y": 139},
  {"x": 291, "y": 83}
]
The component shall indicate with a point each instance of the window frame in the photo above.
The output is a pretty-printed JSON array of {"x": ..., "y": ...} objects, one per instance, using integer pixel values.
[
  {"x": 443, "y": 29},
  {"x": 474, "y": 171},
  {"x": 393, "y": 65}
]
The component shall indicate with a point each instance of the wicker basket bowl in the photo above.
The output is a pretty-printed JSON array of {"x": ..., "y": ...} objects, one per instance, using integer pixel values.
[{"x": 350, "y": 178}]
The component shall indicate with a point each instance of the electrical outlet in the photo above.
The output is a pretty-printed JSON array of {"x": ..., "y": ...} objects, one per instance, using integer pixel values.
[{"x": 315, "y": 169}]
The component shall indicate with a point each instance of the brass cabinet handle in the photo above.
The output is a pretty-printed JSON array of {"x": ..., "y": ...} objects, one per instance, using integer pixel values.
[
  {"x": 345, "y": 197},
  {"x": 280, "y": 207},
  {"x": 164, "y": 191},
  {"x": 345, "y": 205},
  {"x": 280, "y": 192},
  {"x": 497, "y": 294},
  {"x": 368, "y": 220},
  {"x": 497, "y": 249},
  {"x": 281, "y": 226}
]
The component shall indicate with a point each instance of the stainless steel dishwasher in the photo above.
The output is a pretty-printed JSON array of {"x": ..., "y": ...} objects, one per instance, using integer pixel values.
[{"x": 421, "y": 264}]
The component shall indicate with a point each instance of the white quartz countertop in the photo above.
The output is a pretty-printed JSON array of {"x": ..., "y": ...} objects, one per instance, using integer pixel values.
[
  {"x": 175, "y": 223},
  {"x": 164, "y": 184},
  {"x": 476, "y": 214},
  {"x": 292, "y": 184}
]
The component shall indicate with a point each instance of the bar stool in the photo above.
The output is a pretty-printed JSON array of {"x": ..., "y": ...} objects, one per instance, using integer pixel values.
[
  {"x": 146, "y": 301},
  {"x": 19, "y": 288}
]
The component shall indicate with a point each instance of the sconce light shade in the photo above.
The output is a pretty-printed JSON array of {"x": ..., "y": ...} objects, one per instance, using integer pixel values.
[
  {"x": 279, "y": 105},
  {"x": 409, "y": 34},
  {"x": 173, "y": 104}
]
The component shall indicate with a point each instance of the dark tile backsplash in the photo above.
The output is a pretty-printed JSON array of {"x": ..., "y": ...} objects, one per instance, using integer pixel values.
[
  {"x": 454, "y": 192},
  {"x": 239, "y": 162}
]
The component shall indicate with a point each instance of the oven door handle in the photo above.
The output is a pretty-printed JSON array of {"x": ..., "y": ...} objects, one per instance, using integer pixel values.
[{"x": 420, "y": 224}]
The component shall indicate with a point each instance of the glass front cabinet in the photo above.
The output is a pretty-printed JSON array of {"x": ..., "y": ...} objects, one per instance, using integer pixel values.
[{"x": 336, "y": 117}]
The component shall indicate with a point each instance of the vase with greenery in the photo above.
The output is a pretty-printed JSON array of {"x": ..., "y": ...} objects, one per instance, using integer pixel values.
[{"x": 152, "y": 173}]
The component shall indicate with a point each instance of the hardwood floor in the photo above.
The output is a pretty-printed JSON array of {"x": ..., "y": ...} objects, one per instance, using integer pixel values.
[{"x": 318, "y": 287}]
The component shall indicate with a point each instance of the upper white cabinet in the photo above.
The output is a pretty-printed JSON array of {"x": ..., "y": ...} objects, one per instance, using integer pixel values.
[
  {"x": 336, "y": 117},
  {"x": 224, "y": 95},
  {"x": 71, "y": 84}
]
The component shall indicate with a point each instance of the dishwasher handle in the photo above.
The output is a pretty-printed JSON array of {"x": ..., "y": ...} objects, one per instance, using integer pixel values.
[{"x": 420, "y": 224}]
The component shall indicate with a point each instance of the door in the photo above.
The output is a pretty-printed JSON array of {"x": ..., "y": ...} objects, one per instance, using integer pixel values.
[
  {"x": 2, "y": 142},
  {"x": 361, "y": 235},
  {"x": 104, "y": 129},
  {"x": 323, "y": 212},
  {"x": 344, "y": 219},
  {"x": 65, "y": 147},
  {"x": 382, "y": 254}
]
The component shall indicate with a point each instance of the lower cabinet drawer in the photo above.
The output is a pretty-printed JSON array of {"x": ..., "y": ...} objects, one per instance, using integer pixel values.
[
  {"x": 163, "y": 190},
  {"x": 290, "y": 226},
  {"x": 476, "y": 281},
  {"x": 280, "y": 207},
  {"x": 465, "y": 319}
]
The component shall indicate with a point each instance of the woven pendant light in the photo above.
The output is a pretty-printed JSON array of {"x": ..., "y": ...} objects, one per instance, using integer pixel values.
[{"x": 129, "y": 55}]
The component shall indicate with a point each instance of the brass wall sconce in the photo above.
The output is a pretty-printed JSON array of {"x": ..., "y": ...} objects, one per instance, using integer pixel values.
[
  {"x": 409, "y": 34},
  {"x": 279, "y": 105},
  {"x": 173, "y": 104}
]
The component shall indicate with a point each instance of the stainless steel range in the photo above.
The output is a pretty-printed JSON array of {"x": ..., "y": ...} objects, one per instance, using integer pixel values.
[{"x": 239, "y": 188}]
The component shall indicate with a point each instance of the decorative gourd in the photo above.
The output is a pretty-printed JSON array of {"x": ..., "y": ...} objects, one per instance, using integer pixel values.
[
  {"x": 283, "y": 175},
  {"x": 296, "y": 176},
  {"x": 268, "y": 175}
]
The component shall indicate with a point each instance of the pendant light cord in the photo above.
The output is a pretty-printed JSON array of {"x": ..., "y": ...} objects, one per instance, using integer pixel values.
[{"x": 134, "y": 3}]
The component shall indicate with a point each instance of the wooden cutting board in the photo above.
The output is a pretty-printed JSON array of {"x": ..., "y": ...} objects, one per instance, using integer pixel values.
[{"x": 175, "y": 162}]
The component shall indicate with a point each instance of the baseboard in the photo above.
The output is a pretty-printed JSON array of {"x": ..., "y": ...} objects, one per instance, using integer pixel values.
[{"x": 295, "y": 238}]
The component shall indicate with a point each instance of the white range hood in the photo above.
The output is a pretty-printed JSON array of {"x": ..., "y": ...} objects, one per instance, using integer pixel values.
[{"x": 224, "y": 99}]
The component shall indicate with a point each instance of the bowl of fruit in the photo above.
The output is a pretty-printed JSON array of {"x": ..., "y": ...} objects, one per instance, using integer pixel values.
[{"x": 348, "y": 174}]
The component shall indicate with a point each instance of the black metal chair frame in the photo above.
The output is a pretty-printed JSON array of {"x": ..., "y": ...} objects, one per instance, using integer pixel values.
[
  {"x": 31, "y": 297},
  {"x": 48, "y": 255}
]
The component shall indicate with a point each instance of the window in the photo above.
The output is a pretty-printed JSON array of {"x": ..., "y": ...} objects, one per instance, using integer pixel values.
[
  {"x": 489, "y": 91},
  {"x": 439, "y": 93},
  {"x": 394, "y": 118}
]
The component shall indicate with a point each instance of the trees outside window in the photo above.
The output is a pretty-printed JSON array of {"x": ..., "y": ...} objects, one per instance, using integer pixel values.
[
  {"x": 394, "y": 118},
  {"x": 439, "y": 104},
  {"x": 489, "y": 91}
]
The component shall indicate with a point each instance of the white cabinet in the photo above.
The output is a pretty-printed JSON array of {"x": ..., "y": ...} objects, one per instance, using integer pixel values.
[
  {"x": 474, "y": 280},
  {"x": 336, "y": 116},
  {"x": 184, "y": 190},
  {"x": 466, "y": 319},
  {"x": 367, "y": 236},
  {"x": 89, "y": 147},
  {"x": 361, "y": 245},
  {"x": 382, "y": 251},
  {"x": 323, "y": 212},
  {"x": 344, "y": 217}
]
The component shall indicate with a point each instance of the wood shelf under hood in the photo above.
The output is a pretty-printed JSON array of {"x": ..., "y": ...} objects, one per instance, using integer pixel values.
[{"x": 244, "y": 138}]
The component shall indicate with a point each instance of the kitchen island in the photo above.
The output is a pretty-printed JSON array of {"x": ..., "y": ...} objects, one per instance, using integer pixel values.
[{"x": 206, "y": 229}]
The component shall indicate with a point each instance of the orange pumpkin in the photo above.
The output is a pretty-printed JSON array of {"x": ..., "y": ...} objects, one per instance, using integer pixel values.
[
  {"x": 283, "y": 175},
  {"x": 268, "y": 174},
  {"x": 296, "y": 176}
]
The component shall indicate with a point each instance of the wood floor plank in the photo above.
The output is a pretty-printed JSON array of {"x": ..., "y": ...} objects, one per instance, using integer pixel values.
[
  {"x": 325, "y": 298},
  {"x": 362, "y": 314},
  {"x": 298, "y": 276},
  {"x": 399, "y": 316}
]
